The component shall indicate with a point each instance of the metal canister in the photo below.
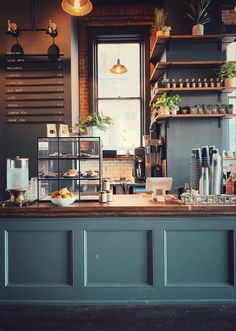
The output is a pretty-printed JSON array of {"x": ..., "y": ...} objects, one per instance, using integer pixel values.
[
  {"x": 102, "y": 196},
  {"x": 109, "y": 195},
  {"x": 105, "y": 184}
]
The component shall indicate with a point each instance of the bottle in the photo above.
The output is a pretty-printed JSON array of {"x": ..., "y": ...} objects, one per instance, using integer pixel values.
[
  {"x": 187, "y": 84},
  {"x": 193, "y": 83},
  {"x": 217, "y": 82},
  {"x": 204, "y": 182},
  {"x": 173, "y": 83},
  {"x": 180, "y": 83},
  {"x": 212, "y": 82},
  {"x": 205, "y": 83},
  {"x": 199, "y": 83},
  {"x": 167, "y": 83},
  {"x": 229, "y": 184}
]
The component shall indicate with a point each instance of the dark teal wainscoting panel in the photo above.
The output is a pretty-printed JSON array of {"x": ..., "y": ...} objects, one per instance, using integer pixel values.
[
  {"x": 198, "y": 258},
  {"x": 40, "y": 258},
  {"x": 117, "y": 258}
]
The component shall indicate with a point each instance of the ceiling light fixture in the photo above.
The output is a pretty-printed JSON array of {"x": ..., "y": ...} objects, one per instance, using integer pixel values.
[
  {"x": 118, "y": 69},
  {"x": 77, "y": 7}
]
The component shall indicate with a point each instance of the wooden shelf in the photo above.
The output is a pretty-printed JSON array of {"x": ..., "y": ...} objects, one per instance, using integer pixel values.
[
  {"x": 194, "y": 116},
  {"x": 161, "y": 67},
  {"x": 192, "y": 89},
  {"x": 163, "y": 41},
  {"x": 197, "y": 116}
]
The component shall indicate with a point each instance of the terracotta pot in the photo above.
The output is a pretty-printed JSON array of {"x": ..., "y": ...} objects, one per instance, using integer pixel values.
[
  {"x": 159, "y": 33},
  {"x": 166, "y": 33},
  {"x": 230, "y": 82},
  {"x": 198, "y": 30}
]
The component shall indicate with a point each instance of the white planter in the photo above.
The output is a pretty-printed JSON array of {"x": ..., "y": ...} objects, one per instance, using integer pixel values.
[
  {"x": 230, "y": 82},
  {"x": 198, "y": 30},
  {"x": 174, "y": 111},
  {"x": 93, "y": 131}
]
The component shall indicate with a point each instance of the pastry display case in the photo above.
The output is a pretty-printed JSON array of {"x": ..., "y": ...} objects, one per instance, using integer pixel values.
[{"x": 73, "y": 162}]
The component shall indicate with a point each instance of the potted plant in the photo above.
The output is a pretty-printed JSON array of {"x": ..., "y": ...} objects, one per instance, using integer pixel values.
[
  {"x": 160, "y": 22},
  {"x": 166, "y": 104},
  {"x": 198, "y": 15},
  {"x": 227, "y": 74},
  {"x": 92, "y": 123}
]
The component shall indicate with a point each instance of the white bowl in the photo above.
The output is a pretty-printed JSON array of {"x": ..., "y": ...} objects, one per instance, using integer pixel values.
[{"x": 63, "y": 202}]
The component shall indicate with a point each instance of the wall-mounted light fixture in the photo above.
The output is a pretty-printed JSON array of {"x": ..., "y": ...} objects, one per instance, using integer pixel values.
[
  {"x": 12, "y": 29},
  {"x": 52, "y": 29},
  {"x": 118, "y": 68},
  {"x": 77, "y": 7}
]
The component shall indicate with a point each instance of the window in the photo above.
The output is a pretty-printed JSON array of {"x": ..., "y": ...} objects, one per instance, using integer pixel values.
[{"x": 122, "y": 97}]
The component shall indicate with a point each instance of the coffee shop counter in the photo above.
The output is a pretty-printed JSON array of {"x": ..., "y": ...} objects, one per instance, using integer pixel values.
[
  {"x": 130, "y": 251},
  {"x": 122, "y": 206}
]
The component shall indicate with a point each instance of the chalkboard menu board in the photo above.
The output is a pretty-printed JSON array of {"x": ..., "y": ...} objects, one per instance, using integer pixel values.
[{"x": 34, "y": 88}]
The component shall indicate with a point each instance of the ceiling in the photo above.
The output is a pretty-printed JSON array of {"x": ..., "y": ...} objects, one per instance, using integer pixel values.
[{"x": 125, "y": 2}]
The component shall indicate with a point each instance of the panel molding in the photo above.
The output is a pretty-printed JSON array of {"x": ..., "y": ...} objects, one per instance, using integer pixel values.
[
  {"x": 230, "y": 254},
  {"x": 149, "y": 257},
  {"x": 69, "y": 261}
]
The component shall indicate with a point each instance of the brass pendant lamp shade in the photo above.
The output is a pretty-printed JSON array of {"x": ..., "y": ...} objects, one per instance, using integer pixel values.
[
  {"x": 118, "y": 68},
  {"x": 77, "y": 7}
]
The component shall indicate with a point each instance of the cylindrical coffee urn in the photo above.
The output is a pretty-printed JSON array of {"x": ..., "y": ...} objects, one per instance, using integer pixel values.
[{"x": 17, "y": 173}]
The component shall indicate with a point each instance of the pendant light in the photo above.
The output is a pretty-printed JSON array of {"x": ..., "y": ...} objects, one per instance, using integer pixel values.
[
  {"x": 118, "y": 68},
  {"x": 77, "y": 7}
]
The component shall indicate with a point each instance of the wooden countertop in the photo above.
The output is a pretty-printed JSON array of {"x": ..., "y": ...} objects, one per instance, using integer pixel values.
[{"x": 137, "y": 205}]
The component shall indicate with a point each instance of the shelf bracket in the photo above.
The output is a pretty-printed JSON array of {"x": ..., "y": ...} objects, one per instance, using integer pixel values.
[
  {"x": 219, "y": 96},
  {"x": 219, "y": 123},
  {"x": 167, "y": 123}
]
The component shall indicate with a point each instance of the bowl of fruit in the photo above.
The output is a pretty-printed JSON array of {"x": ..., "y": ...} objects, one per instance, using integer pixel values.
[{"x": 63, "y": 198}]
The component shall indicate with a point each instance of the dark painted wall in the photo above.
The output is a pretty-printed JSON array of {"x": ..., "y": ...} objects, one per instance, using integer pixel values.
[
  {"x": 179, "y": 24},
  {"x": 20, "y": 139}
]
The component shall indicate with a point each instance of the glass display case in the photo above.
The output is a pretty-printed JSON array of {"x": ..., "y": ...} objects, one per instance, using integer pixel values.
[{"x": 73, "y": 162}]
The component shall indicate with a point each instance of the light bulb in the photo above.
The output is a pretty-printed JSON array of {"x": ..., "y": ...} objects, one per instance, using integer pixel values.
[{"x": 76, "y": 4}]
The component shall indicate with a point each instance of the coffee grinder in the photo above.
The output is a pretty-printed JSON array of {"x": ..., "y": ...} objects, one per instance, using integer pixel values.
[
  {"x": 139, "y": 164},
  {"x": 17, "y": 180}
]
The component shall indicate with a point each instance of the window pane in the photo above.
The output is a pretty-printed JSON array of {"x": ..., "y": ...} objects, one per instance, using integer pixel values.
[
  {"x": 124, "y": 133},
  {"x": 111, "y": 85}
]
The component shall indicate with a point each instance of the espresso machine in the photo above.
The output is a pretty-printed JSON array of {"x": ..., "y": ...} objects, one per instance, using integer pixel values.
[
  {"x": 139, "y": 164},
  {"x": 155, "y": 164}
]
